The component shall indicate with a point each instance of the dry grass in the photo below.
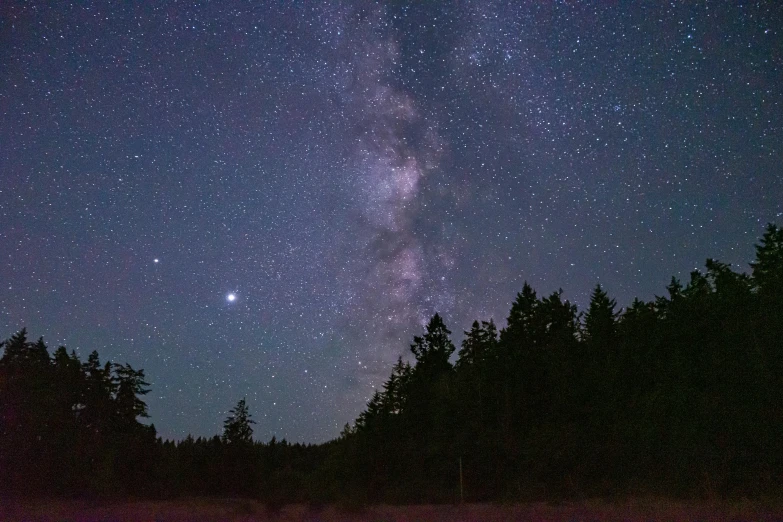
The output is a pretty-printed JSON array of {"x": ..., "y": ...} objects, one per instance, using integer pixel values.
[{"x": 643, "y": 509}]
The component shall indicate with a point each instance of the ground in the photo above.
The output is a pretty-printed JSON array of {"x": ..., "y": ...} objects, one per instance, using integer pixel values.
[{"x": 247, "y": 510}]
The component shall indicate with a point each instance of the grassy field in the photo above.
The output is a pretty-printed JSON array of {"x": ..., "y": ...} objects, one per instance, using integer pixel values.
[{"x": 247, "y": 510}]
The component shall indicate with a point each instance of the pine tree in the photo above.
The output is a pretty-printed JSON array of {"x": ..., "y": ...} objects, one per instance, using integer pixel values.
[
  {"x": 236, "y": 427},
  {"x": 15, "y": 348},
  {"x": 370, "y": 417},
  {"x": 395, "y": 390},
  {"x": 517, "y": 334},
  {"x": 433, "y": 350},
  {"x": 99, "y": 392},
  {"x": 479, "y": 344},
  {"x": 129, "y": 385},
  {"x": 600, "y": 320},
  {"x": 768, "y": 267}
]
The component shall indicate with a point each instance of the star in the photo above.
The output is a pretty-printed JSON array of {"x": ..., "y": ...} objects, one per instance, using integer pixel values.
[{"x": 231, "y": 298}]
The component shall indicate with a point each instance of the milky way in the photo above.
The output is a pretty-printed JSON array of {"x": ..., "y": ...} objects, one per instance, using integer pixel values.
[
  {"x": 347, "y": 169},
  {"x": 395, "y": 148}
]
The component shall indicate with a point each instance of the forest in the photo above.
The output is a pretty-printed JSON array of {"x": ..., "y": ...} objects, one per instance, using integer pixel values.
[{"x": 678, "y": 396}]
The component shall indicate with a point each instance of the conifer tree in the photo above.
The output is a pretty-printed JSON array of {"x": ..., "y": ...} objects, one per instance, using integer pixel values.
[
  {"x": 15, "y": 348},
  {"x": 396, "y": 388},
  {"x": 768, "y": 267},
  {"x": 432, "y": 351},
  {"x": 236, "y": 427},
  {"x": 600, "y": 320},
  {"x": 517, "y": 334},
  {"x": 129, "y": 385}
]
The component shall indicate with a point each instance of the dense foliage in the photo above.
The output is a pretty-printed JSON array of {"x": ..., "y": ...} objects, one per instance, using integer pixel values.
[
  {"x": 677, "y": 396},
  {"x": 68, "y": 426}
]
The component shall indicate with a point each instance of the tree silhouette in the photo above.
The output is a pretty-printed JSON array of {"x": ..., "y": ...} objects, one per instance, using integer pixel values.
[
  {"x": 433, "y": 349},
  {"x": 68, "y": 427},
  {"x": 768, "y": 267},
  {"x": 678, "y": 395},
  {"x": 518, "y": 331},
  {"x": 236, "y": 427},
  {"x": 600, "y": 319},
  {"x": 130, "y": 385}
]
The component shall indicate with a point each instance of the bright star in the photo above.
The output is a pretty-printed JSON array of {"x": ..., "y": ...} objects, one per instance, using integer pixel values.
[
  {"x": 155, "y": 260},
  {"x": 231, "y": 297}
]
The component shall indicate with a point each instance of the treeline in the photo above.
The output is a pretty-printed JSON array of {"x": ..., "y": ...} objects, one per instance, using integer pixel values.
[
  {"x": 233, "y": 465},
  {"x": 677, "y": 396},
  {"x": 72, "y": 428}
]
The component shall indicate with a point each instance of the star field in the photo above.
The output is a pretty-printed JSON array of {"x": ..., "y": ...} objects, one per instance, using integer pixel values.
[{"x": 268, "y": 201}]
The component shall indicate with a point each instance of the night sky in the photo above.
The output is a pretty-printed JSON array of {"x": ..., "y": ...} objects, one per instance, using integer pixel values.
[{"x": 264, "y": 200}]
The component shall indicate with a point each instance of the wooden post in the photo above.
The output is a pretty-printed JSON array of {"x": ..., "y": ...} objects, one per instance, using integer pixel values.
[{"x": 461, "y": 498}]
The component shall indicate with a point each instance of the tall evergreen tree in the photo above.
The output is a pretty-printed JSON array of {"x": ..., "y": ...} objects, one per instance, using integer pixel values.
[
  {"x": 479, "y": 344},
  {"x": 519, "y": 324},
  {"x": 600, "y": 319},
  {"x": 130, "y": 385},
  {"x": 15, "y": 348},
  {"x": 768, "y": 266},
  {"x": 237, "y": 427},
  {"x": 395, "y": 390},
  {"x": 433, "y": 349},
  {"x": 98, "y": 410}
]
